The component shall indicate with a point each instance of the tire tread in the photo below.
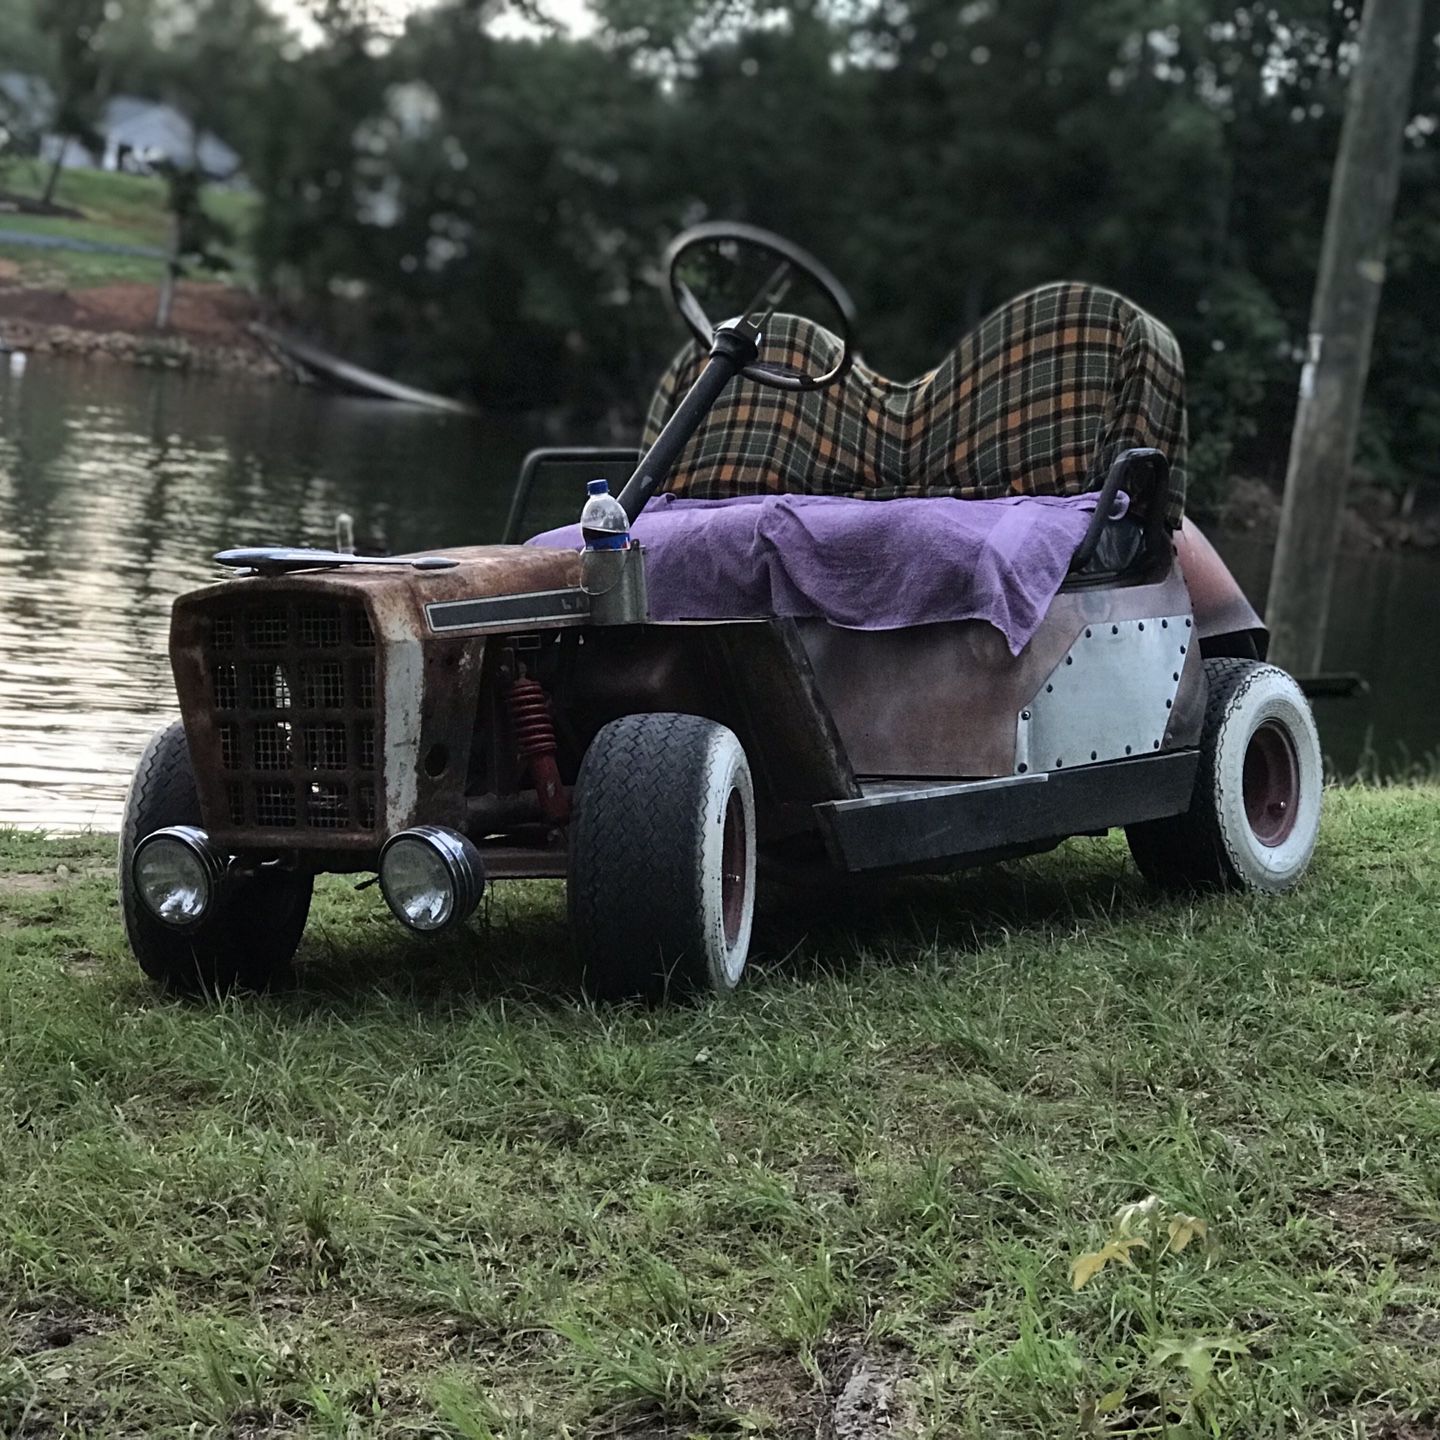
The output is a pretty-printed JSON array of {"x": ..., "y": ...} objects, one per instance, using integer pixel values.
[{"x": 635, "y": 854}]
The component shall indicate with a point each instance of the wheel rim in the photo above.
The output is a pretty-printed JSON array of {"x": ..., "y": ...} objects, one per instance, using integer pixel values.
[
  {"x": 734, "y": 860},
  {"x": 1271, "y": 784}
]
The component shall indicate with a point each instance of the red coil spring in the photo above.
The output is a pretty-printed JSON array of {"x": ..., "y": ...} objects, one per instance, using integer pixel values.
[
  {"x": 534, "y": 728},
  {"x": 530, "y": 717}
]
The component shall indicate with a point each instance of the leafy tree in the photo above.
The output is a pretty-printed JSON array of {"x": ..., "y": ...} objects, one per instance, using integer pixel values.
[
  {"x": 485, "y": 212},
  {"x": 77, "y": 73}
]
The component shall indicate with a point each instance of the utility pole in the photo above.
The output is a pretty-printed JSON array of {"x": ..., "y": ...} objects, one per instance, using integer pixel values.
[{"x": 1342, "y": 327}]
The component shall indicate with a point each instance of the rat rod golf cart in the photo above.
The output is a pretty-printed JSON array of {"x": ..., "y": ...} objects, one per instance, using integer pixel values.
[{"x": 869, "y": 627}]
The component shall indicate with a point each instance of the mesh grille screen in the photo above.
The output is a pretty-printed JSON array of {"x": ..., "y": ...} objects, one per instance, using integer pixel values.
[{"x": 293, "y": 692}]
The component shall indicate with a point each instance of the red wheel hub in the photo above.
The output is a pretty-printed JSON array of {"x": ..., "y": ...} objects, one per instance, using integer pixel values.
[
  {"x": 733, "y": 865},
  {"x": 1271, "y": 784}
]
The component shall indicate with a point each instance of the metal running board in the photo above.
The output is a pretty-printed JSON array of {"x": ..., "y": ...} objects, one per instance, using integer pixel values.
[{"x": 970, "y": 821}]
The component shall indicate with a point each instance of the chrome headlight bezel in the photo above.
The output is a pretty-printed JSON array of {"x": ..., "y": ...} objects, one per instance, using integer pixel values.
[
  {"x": 457, "y": 876},
  {"x": 191, "y": 847}
]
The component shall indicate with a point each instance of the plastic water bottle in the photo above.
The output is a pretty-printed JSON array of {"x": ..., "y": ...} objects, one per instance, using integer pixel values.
[{"x": 603, "y": 522}]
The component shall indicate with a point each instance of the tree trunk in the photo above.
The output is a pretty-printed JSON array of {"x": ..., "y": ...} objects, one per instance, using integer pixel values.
[
  {"x": 1342, "y": 327},
  {"x": 172, "y": 272},
  {"x": 53, "y": 178}
]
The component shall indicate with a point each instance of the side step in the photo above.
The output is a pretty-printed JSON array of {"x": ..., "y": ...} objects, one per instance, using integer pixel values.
[
  {"x": 1345, "y": 685},
  {"x": 892, "y": 827}
]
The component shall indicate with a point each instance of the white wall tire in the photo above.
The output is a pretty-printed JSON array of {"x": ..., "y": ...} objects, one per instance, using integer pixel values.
[
  {"x": 1255, "y": 815},
  {"x": 662, "y": 858}
]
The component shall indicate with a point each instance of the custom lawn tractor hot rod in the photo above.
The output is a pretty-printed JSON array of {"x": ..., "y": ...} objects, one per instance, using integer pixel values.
[{"x": 830, "y": 623}]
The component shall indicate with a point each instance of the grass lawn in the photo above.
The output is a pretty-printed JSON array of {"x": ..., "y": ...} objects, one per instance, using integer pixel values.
[
  {"x": 423, "y": 1197},
  {"x": 118, "y": 210}
]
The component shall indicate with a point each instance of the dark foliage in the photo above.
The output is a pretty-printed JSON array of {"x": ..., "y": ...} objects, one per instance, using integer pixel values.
[{"x": 483, "y": 212}]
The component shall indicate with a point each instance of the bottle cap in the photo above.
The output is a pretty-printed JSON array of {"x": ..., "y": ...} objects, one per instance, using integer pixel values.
[{"x": 597, "y": 487}]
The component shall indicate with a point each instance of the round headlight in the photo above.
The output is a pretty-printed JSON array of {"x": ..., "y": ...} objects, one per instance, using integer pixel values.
[
  {"x": 177, "y": 874},
  {"x": 431, "y": 877}
]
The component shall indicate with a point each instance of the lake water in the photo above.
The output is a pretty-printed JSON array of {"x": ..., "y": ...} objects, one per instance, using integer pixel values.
[{"x": 117, "y": 486}]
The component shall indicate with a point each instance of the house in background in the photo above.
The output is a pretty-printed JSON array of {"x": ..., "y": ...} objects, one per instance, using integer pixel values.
[{"x": 134, "y": 134}]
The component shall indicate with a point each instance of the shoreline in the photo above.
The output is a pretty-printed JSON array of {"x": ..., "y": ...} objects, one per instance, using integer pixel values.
[
  {"x": 210, "y": 336},
  {"x": 114, "y": 323},
  {"x": 155, "y": 350},
  {"x": 1374, "y": 519}
]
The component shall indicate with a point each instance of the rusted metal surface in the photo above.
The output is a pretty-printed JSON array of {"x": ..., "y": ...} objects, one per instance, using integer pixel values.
[
  {"x": 397, "y": 715},
  {"x": 433, "y": 740},
  {"x": 1221, "y": 609},
  {"x": 940, "y": 701},
  {"x": 753, "y": 676},
  {"x": 516, "y": 862},
  {"x": 777, "y": 710},
  {"x": 281, "y": 694}
]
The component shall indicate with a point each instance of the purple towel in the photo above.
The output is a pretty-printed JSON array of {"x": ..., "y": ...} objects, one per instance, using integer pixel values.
[{"x": 860, "y": 564}]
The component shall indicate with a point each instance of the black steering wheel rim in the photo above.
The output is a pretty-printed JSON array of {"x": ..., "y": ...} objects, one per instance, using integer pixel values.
[{"x": 703, "y": 328}]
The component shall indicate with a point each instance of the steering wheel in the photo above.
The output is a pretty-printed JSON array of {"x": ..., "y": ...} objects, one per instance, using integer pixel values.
[{"x": 786, "y": 263}]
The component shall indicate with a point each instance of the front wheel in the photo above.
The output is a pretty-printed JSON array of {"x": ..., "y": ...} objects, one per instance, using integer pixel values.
[
  {"x": 249, "y": 943},
  {"x": 1255, "y": 814},
  {"x": 662, "y": 858}
]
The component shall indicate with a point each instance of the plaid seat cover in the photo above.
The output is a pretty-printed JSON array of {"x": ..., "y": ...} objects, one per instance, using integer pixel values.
[{"x": 1037, "y": 400}]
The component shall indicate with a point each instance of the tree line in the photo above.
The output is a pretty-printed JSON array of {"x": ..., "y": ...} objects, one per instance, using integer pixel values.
[{"x": 476, "y": 198}]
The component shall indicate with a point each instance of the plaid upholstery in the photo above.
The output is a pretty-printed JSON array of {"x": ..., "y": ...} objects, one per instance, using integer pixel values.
[{"x": 1038, "y": 400}]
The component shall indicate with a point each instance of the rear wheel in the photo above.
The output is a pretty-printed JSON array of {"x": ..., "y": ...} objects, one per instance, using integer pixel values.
[
  {"x": 662, "y": 858},
  {"x": 1255, "y": 814},
  {"x": 250, "y": 941}
]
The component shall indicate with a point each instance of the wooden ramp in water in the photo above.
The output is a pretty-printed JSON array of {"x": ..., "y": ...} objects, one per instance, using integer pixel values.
[{"x": 337, "y": 374}]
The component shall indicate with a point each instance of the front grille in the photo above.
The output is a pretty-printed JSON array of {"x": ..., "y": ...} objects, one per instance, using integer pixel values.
[{"x": 292, "y": 689}]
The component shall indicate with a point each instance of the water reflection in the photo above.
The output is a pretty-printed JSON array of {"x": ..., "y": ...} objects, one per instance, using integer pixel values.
[{"x": 117, "y": 485}]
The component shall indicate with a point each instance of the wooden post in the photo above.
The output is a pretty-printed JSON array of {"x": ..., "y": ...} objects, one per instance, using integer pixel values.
[
  {"x": 1342, "y": 327},
  {"x": 172, "y": 272}
]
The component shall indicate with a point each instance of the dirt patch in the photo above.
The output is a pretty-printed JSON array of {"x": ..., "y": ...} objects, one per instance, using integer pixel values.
[
  {"x": 36, "y": 884},
  {"x": 865, "y": 1393},
  {"x": 208, "y": 330},
  {"x": 45, "y": 1328},
  {"x": 82, "y": 965},
  {"x": 779, "y": 1388},
  {"x": 1370, "y": 1222},
  {"x": 214, "y": 312},
  {"x": 1401, "y": 1427},
  {"x": 46, "y": 882}
]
